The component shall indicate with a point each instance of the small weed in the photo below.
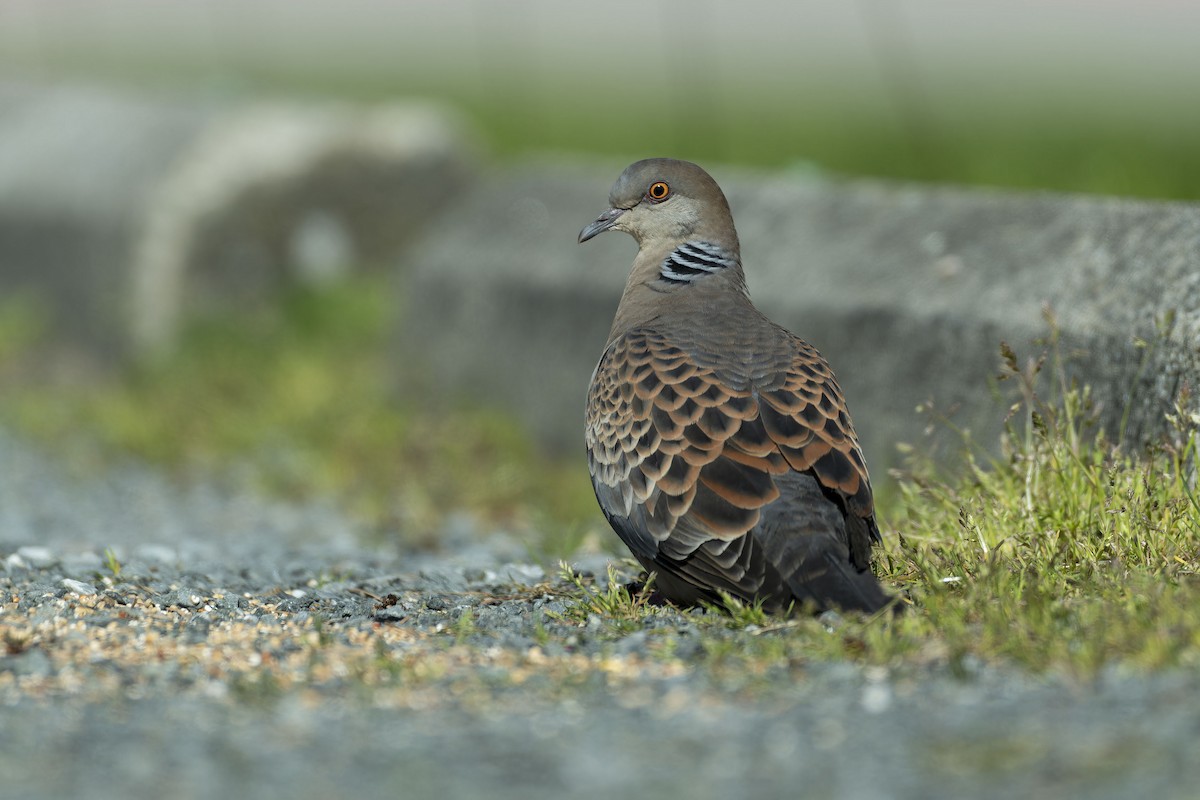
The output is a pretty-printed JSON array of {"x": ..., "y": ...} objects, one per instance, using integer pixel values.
[
  {"x": 621, "y": 609},
  {"x": 464, "y": 627},
  {"x": 741, "y": 615},
  {"x": 111, "y": 563},
  {"x": 540, "y": 635}
]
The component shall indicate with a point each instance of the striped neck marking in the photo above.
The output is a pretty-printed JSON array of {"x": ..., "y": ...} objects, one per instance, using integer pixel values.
[{"x": 693, "y": 260}]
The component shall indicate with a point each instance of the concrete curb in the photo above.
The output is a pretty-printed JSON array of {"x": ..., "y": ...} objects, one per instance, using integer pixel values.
[
  {"x": 121, "y": 212},
  {"x": 907, "y": 290}
]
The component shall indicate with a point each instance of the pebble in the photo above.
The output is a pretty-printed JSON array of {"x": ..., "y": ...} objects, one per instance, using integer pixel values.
[
  {"x": 185, "y": 598},
  {"x": 37, "y": 557},
  {"x": 396, "y": 613},
  {"x": 229, "y": 602},
  {"x": 78, "y": 587}
]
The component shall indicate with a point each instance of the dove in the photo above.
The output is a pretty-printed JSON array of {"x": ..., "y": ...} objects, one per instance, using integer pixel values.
[{"x": 719, "y": 444}]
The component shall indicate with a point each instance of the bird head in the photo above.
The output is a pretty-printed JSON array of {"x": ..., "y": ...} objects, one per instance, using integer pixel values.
[{"x": 666, "y": 202}]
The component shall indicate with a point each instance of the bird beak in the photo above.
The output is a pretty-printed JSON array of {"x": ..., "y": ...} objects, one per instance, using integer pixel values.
[{"x": 602, "y": 223}]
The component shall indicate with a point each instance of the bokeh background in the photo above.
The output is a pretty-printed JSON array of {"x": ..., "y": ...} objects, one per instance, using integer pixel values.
[
  {"x": 302, "y": 396},
  {"x": 1078, "y": 95}
]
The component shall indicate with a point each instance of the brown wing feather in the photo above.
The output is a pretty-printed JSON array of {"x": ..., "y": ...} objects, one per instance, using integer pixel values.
[
  {"x": 806, "y": 416},
  {"x": 684, "y": 463}
]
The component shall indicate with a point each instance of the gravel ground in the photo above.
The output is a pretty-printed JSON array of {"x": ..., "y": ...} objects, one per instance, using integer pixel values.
[{"x": 253, "y": 649}]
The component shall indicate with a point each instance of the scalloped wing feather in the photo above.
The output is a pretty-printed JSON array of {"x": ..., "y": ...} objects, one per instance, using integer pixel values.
[{"x": 685, "y": 463}]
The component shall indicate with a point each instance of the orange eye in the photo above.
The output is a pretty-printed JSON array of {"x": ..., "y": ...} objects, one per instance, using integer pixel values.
[{"x": 658, "y": 191}]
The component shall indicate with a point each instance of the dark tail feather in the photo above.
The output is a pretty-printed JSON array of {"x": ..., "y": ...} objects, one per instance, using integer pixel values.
[
  {"x": 820, "y": 555},
  {"x": 828, "y": 580}
]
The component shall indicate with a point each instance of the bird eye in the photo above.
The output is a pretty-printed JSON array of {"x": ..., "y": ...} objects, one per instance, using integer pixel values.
[{"x": 658, "y": 191}]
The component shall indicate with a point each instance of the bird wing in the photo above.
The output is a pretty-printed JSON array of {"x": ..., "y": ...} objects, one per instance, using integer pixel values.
[{"x": 685, "y": 463}]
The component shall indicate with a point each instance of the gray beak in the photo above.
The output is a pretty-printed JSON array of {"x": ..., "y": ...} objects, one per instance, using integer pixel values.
[{"x": 602, "y": 223}]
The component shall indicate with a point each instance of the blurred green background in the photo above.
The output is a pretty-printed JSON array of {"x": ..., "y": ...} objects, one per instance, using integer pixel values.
[
  {"x": 1060, "y": 94},
  {"x": 1095, "y": 96}
]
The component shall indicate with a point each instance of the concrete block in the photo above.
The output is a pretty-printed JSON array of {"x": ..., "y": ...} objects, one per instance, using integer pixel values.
[
  {"x": 907, "y": 290},
  {"x": 122, "y": 213}
]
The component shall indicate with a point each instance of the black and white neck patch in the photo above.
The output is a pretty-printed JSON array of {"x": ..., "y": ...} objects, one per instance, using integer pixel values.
[{"x": 693, "y": 260}]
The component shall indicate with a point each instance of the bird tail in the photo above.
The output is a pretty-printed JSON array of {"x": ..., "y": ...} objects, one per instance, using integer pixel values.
[
  {"x": 807, "y": 540},
  {"x": 824, "y": 578}
]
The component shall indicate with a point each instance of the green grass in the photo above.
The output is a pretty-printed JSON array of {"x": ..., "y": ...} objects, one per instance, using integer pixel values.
[
  {"x": 299, "y": 401},
  {"x": 621, "y": 607},
  {"x": 1067, "y": 551}
]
